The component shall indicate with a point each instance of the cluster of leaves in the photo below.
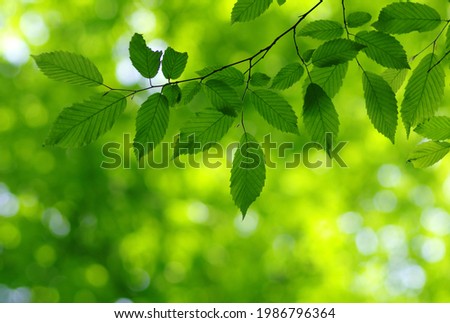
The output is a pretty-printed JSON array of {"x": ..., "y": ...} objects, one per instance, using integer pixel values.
[{"x": 227, "y": 88}]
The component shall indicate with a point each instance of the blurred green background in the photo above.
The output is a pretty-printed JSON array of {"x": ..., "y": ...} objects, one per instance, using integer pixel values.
[{"x": 70, "y": 231}]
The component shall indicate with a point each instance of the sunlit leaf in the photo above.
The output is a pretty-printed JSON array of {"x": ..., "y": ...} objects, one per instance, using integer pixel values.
[
  {"x": 423, "y": 93},
  {"x": 395, "y": 78},
  {"x": 230, "y": 75},
  {"x": 381, "y": 104},
  {"x": 146, "y": 61},
  {"x": 428, "y": 153},
  {"x": 358, "y": 18},
  {"x": 84, "y": 122},
  {"x": 223, "y": 97},
  {"x": 248, "y": 173},
  {"x": 151, "y": 124},
  {"x": 172, "y": 93},
  {"x": 189, "y": 91},
  {"x": 436, "y": 128},
  {"x": 405, "y": 17},
  {"x": 330, "y": 79},
  {"x": 246, "y": 10},
  {"x": 287, "y": 76},
  {"x": 275, "y": 110},
  {"x": 173, "y": 63},
  {"x": 322, "y": 29},
  {"x": 281, "y": 2},
  {"x": 336, "y": 51},
  {"x": 69, "y": 67}
]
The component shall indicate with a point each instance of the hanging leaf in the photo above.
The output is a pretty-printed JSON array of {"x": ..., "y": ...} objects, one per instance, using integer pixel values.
[
  {"x": 259, "y": 79},
  {"x": 383, "y": 49},
  {"x": 423, "y": 93},
  {"x": 336, "y": 52},
  {"x": 172, "y": 93},
  {"x": 84, "y": 122},
  {"x": 381, "y": 104},
  {"x": 406, "y": 17},
  {"x": 246, "y": 10},
  {"x": 151, "y": 124},
  {"x": 248, "y": 173},
  {"x": 319, "y": 115},
  {"x": 275, "y": 110},
  {"x": 428, "y": 153},
  {"x": 436, "y": 128},
  {"x": 307, "y": 55},
  {"x": 281, "y": 2},
  {"x": 199, "y": 133},
  {"x": 68, "y": 67},
  {"x": 447, "y": 40},
  {"x": 230, "y": 75},
  {"x": 322, "y": 29},
  {"x": 330, "y": 79},
  {"x": 145, "y": 60},
  {"x": 173, "y": 63},
  {"x": 189, "y": 92},
  {"x": 358, "y": 19},
  {"x": 287, "y": 76},
  {"x": 223, "y": 97},
  {"x": 395, "y": 78}
]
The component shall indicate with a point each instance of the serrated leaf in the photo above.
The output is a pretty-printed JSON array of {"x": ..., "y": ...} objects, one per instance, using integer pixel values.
[
  {"x": 151, "y": 124},
  {"x": 447, "y": 40},
  {"x": 259, "y": 79},
  {"x": 173, "y": 63},
  {"x": 281, "y": 2},
  {"x": 275, "y": 110},
  {"x": 287, "y": 76},
  {"x": 172, "y": 93},
  {"x": 406, "y": 17},
  {"x": 336, "y": 51},
  {"x": 322, "y": 29},
  {"x": 423, "y": 93},
  {"x": 330, "y": 79},
  {"x": 307, "y": 55},
  {"x": 223, "y": 97},
  {"x": 206, "y": 128},
  {"x": 395, "y": 78},
  {"x": 246, "y": 10},
  {"x": 145, "y": 60},
  {"x": 69, "y": 67},
  {"x": 189, "y": 92},
  {"x": 319, "y": 115},
  {"x": 436, "y": 128},
  {"x": 383, "y": 49},
  {"x": 381, "y": 104},
  {"x": 248, "y": 173},
  {"x": 230, "y": 75},
  {"x": 358, "y": 19},
  {"x": 84, "y": 122},
  {"x": 428, "y": 153}
]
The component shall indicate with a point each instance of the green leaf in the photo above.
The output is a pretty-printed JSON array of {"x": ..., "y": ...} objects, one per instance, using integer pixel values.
[
  {"x": 281, "y": 2},
  {"x": 447, "y": 40},
  {"x": 206, "y": 128},
  {"x": 287, "y": 76},
  {"x": 248, "y": 173},
  {"x": 172, "y": 93},
  {"x": 230, "y": 75},
  {"x": 145, "y": 60},
  {"x": 173, "y": 63},
  {"x": 259, "y": 79},
  {"x": 275, "y": 110},
  {"x": 330, "y": 79},
  {"x": 436, "y": 128},
  {"x": 189, "y": 92},
  {"x": 223, "y": 97},
  {"x": 406, "y": 17},
  {"x": 84, "y": 122},
  {"x": 246, "y": 10},
  {"x": 423, "y": 93},
  {"x": 322, "y": 29},
  {"x": 335, "y": 52},
  {"x": 395, "y": 78},
  {"x": 383, "y": 49},
  {"x": 307, "y": 55},
  {"x": 358, "y": 19},
  {"x": 151, "y": 124},
  {"x": 381, "y": 104},
  {"x": 428, "y": 153},
  {"x": 319, "y": 115},
  {"x": 69, "y": 67}
]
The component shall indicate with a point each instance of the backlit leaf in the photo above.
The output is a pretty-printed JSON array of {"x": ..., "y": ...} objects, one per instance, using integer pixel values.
[
  {"x": 395, "y": 78},
  {"x": 230, "y": 75},
  {"x": 145, "y": 60},
  {"x": 287, "y": 76},
  {"x": 358, "y": 18},
  {"x": 336, "y": 51},
  {"x": 436, "y": 128},
  {"x": 172, "y": 93},
  {"x": 223, "y": 97},
  {"x": 428, "y": 153},
  {"x": 330, "y": 79},
  {"x": 259, "y": 79},
  {"x": 173, "y": 63},
  {"x": 322, "y": 29},
  {"x": 189, "y": 91},
  {"x": 246, "y": 10}
]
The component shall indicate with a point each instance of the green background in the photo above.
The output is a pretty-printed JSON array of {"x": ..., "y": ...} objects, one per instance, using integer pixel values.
[{"x": 70, "y": 231}]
